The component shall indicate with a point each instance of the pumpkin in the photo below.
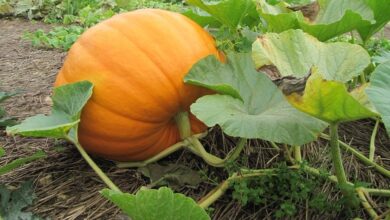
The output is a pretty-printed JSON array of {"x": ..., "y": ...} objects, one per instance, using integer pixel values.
[{"x": 136, "y": 61}]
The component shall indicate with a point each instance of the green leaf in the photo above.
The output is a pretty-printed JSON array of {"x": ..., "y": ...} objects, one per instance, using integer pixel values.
[
  {"x": 333, "y": 17},
  {"x": 7, "y": 121},
  {"x": 294, "y": 52},
  {"x": 202, "y": 19},
  {"x": 68, "y": 101},
  {"x": 249, "y": 104},
  {"x": 172, "y": 175},
  {"x": 21, "y": 161},
  {"x": 329, "y": 101},
  {"x": 229, "y": 12},
  {"x": 6, "y": 8},
  {"x": 23, "y": 6},
  {"x": 13, "y": 202},
  {"x": 2, "y": 151},
  {"x": 381, "y": 9},
  {"x": 379, "y": 92},
  {"x": 6, "y": 95},
  {"x": 161, "y": 204},
  {"x": 382, "y": 57}
]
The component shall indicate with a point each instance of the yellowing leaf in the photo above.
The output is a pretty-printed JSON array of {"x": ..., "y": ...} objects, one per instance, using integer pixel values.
[
  {"x": 329, "y": 101},
  {"x": 294, "y": 52}
]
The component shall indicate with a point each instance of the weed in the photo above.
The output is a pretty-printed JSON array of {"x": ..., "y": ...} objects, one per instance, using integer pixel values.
[{"x": 287, "y": 190}]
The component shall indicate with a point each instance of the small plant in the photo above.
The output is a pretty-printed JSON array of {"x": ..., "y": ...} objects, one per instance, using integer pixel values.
[
  {"x": 60, "y": 37},
  {"x": 80, "y": 15},
  {"x": 286, "y": 189},
  {"x": 14, "y": 201}
]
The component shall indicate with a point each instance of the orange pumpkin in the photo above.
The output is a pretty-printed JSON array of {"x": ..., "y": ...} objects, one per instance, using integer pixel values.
[{"x": 136, "y": 61}]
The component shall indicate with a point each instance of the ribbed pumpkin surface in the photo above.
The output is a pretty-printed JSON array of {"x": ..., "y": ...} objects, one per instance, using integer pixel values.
[{"x": 137, "y": 62}]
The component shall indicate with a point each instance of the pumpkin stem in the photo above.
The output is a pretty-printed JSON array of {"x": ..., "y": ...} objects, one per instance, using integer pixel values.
[
  {"x": 197, "y": 148},
  {"x": 155, "y": 158},
  {"x": 183, "y": 124},
  {"x": 160, "y": 155}
]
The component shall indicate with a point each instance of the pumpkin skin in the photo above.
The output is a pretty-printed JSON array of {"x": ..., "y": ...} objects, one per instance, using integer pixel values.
[{"x": 136, "y": 61}]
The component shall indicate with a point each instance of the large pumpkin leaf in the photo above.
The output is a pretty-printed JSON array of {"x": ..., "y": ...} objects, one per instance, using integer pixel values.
[
  {"x": 331, "y": 17},
  {"x": 381, "y": 9},
  {"x": 294, "y": 52},
  {"x": 249, "y": 104},
  {"x": 68, "y": 101},
  {"x": 329, "y": 101},
  {"x": 379, "y": 92},
  {"x": 227, "y": 12},
  {"x": 161, "y": 204}
]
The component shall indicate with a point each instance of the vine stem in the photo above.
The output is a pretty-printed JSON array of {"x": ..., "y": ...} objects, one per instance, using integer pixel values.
[
  {"x": 197, "y": 148},
  {"x": 155, "y": 158},
  {"x": 297, "y": 154},
  {"x": 366, "y": 205},
  {"x": 219, "y": 191},
  {"x": 336, "y": 154},
  {"x": 183, "y": 124},
  {"x": 162, "y": 154},
  {"x": 93, "y": 165},
  {"x": 214, "y": 195},
  {"x": 274, "y": 145},
  {"x": 372, "y": 141},
  {"x": 359, "y": 155},
  {"x": 194, "y": 145}
]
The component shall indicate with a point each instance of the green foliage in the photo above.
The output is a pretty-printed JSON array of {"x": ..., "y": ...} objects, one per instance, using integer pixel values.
[
  {"x": 12, "y": 202},
  {"x": 21, "y": 161},
  {"x": 334, "y": 17},
  {"x": 291, "y": 2},
  {"x": 249, "y": 104},
  {"x": 68, "y": 101},
  {"x": 380, "y": 9},
  {"x": 294, "y": 53},
  {"x": 2, "y": 151},
  {"x": 172, "y": 175},
  {"x": 60, "y": 37},
  {"x": 377, "y": 46},
  {"x": 379, "y": 92},
  {"x": 161, "y": 204},
  {"x": 4, "y": 120},
  {"x": 286, "y": 190},
  {"x": 233, "y": 22},
  {"x": 330, "y": 101},
  {"x": 78, "y": 15}
]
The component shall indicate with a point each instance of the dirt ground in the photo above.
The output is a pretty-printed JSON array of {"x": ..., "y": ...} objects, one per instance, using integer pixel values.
[{"x": 67, "y": 188}]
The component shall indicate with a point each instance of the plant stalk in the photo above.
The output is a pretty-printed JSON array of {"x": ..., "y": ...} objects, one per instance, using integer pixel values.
[
  {"x": 366, "y": 205},
  {"x": 359, "y": 155},
  {"x": 214, "y": 195},
  {"x": 155, "y": 158},
  {"x": 336, "y": 154},
  {"x": 378, "y": 192},
  {"x": 372, "y": 141},
  {"x": 274, "y": 145},
  {"x": 197, "y": 148},
  {"x": 94, "y": 166},
  {"x": 183, "y": 124},
  {"x": 218, "y": 191},
  {"x": 297, "y": 154}
]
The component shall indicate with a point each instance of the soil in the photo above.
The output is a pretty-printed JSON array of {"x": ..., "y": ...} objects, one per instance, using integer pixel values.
[{"x": 66, "y": 187}]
